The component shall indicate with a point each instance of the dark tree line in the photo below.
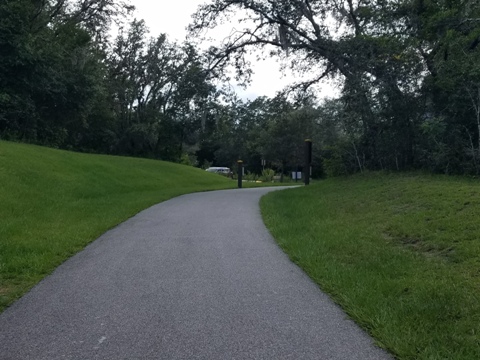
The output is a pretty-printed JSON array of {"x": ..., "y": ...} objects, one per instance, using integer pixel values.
[
  {"x": 409, "y": 72},
  {"x": 51, "y": 66},
  {"x": 64, "y": 83}
]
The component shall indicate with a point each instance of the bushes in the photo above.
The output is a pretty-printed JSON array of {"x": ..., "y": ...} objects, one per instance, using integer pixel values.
[{"x": 267, "y": 175}]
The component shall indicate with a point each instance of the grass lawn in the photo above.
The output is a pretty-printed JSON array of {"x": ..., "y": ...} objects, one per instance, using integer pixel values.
[
  {"x": 399, "y": 253},
  {"x": 53, "y": 203}
]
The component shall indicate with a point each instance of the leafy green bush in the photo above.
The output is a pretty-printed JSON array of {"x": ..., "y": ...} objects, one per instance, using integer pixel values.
[
  {"x": 267, "y": 175},
  {"x": 249, "y": 176}
]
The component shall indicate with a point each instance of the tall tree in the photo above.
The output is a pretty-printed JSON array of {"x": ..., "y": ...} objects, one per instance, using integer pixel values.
[
  {"x": 50, "y": 66},
  {"x": 159, "y": 89},
  {"x": 388, "y": 55}
]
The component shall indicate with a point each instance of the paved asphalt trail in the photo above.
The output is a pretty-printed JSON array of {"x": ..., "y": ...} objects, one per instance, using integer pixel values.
[{"x": 196, "y": 277}]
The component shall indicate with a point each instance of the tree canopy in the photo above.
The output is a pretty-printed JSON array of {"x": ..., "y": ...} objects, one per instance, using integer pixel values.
[
  {"x": 408, "y": 70},
  {"x": 408, "y": 73}
]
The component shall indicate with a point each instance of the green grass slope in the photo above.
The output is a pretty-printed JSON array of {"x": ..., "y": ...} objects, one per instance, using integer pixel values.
[
  {"x": 401, "y": 254},
  {"x": 53, "y": 203}
]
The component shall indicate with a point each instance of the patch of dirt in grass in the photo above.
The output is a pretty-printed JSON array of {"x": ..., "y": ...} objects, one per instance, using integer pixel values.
[
  {"x": 4, "y": 290},
  {"x": 420, "y": 246}
]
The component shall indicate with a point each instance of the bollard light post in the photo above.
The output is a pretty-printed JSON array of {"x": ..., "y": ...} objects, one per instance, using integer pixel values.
[
  {"x": 239, "y": 173},
  {"x": 308, "y": 161}
]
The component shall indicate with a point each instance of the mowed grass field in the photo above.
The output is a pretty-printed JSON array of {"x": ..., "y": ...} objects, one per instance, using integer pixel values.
[
  {"x": 53, "y": 203},
  {"x": 400, "y": 253}
]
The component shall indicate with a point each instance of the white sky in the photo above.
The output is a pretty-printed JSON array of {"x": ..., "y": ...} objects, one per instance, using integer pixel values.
[{"x": 172, "y": 17}]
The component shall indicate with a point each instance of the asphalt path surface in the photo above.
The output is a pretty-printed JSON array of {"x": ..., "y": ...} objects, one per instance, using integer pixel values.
[{"x": 196, "y": 277}]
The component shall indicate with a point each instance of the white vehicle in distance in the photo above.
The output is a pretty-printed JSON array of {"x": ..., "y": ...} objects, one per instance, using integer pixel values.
[{"x": 220, "y": 170}]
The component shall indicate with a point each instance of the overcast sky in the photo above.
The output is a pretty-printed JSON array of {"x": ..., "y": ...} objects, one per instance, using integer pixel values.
[{"x": 171, "y": 18}]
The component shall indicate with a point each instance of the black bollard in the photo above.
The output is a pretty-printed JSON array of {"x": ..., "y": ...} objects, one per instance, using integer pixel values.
[
  {"x": 308, "y": 160},
  {"x": 239, "y": 173}
]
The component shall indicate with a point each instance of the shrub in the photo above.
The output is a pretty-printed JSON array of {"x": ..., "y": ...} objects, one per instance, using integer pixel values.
[{"x": 267, "y": 175}]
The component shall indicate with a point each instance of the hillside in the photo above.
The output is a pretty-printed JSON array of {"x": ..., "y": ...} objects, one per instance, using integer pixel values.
[
  {"x": 54, "y": 202},
  {"x": 399, "y": 252}
]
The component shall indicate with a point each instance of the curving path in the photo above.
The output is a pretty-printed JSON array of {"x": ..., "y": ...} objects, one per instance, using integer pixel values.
[{"x": 196, "y": 277}]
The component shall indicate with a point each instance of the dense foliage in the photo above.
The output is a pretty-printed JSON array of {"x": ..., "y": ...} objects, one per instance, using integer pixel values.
[
  {"x": 63, "y": 83},
  {"x": 408, "y": 71}
]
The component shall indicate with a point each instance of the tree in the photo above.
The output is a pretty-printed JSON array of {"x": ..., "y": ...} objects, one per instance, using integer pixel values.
[
  {"x": 51, "y": 69},
  {"x": 448, "y": 38},
  {"x": 159, "y": 89},
  {"x": 401, "y": 63},
  {"x": 371, "y": 52}
]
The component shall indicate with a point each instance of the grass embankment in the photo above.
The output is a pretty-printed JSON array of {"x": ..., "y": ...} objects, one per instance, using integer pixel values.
[
  {"x": 400, "y": 253},
  {"x": 53, "y": 203}
]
